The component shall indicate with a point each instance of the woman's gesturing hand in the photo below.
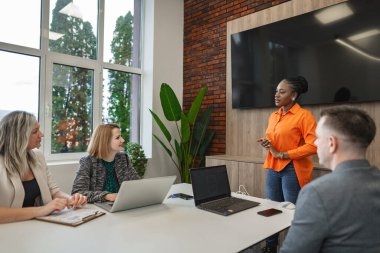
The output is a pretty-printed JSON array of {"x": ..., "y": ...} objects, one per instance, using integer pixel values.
[{"x": 265, "y": 143}]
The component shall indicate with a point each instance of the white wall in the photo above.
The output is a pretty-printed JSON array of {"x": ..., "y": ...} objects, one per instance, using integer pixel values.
[
  {"x": 168, "y": 68},
  {"x": 64, "y": 174},
  {"x": 163, "y": 58}
]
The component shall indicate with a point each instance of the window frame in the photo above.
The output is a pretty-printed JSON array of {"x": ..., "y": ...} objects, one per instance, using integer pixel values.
[{"x": 47, "y": 61}]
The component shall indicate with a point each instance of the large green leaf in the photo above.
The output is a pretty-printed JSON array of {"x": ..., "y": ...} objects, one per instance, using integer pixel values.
[
  {"x": 163, "y": 128},
  {"x": 201, "y": 125},
  {"x": 163, "y": 145},
  {"x": 170, "y": 104},
  {"x": 179, "y": 153},
  {"x": 199, "y": 134},
  {"x": 206, "y": 142},
  {"x": 186, "y": 177},
  {"x": 196, "y": 105},
  {"x": 185, "y": 128}
]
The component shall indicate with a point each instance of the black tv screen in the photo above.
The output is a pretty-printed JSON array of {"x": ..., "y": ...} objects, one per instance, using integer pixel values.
[{"x": 337, "y": 49}]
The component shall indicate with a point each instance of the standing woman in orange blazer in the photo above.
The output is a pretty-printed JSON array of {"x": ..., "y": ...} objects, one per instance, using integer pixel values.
[{"x": 289, "y": 140}]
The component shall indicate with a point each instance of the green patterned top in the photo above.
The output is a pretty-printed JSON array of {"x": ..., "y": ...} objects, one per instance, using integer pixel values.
[{"x": 111, "y": 184}]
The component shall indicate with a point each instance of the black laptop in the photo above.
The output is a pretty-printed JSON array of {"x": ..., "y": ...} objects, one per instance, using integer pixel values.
[{"x": 212, "y": 191}]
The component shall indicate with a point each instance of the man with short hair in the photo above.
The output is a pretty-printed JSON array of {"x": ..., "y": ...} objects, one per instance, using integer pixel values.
[{"x": 340, "y": 212}]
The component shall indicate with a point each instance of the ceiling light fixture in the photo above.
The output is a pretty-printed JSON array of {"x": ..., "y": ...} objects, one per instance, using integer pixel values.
[
  {"x": 334, "y": 13},
  {"x": 72, "y": 10},
  {"x": 55, "y": 36},
  {"x": 355, "y": 49},
  {"x": 364, "y": 35}
]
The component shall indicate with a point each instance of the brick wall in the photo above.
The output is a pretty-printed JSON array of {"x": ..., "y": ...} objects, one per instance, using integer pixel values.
[{"x": 205, "y": 29}]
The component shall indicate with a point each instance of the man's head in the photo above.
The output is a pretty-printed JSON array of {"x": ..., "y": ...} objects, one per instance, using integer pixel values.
[{"x": 343, "y": 132}]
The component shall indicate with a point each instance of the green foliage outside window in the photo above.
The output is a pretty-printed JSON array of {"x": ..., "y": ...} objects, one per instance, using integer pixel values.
[
  {"x": 72, "y": 86},
  {"x": 119, "y": 108}
]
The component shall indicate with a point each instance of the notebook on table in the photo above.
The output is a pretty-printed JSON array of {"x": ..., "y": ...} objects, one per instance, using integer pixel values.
[
  {"x": 139, "y": 193},
  {"x": 72, "y": 217},
  {"x": 212, "y": 191}
]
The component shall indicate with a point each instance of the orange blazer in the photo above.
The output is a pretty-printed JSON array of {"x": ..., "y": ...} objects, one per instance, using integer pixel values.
[{"x": 293, "y": 133}]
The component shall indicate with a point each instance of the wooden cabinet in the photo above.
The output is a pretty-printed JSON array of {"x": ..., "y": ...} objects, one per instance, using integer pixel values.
[
  {"x": 242, "y": 171},
  {"x": 248, "y": 172},
  {"x": 232, "y": 170},
  {"x": 253, "y": 177}
]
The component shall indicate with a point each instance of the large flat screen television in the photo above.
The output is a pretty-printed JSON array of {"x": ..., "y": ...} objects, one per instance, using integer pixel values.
[{"x": 337, "y": 49}]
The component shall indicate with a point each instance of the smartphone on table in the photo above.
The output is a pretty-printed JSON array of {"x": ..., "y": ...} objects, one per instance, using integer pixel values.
[
  {"x": 181, "y": 196},
  {"x": 269, "y": 212}
]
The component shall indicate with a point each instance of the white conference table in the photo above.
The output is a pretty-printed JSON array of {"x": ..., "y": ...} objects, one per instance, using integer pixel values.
[{"x": 175, "y": 226}]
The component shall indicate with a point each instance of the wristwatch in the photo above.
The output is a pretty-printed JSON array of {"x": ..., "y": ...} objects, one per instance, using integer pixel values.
[{"x": 281, "y": 155}]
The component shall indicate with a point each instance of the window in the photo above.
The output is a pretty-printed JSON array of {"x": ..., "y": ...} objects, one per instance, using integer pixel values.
[
  {"x": 14, "y": 30},
  {"x": 82, "y": 70},
  {"x": 121, "y": 93},
  {"x": 19, "y": 92},
  {"x": 73, "y": 28},
  {"x": 122, "y": 23},
  {"x": 72, "y": 108}
]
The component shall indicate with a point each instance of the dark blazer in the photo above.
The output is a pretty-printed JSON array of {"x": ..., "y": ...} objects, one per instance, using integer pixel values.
[
  {"x": 91, "y": 176},
  {"x": 339, "y": 212}
]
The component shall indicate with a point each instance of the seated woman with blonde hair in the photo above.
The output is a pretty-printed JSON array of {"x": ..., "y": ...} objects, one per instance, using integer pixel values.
[
  {"x": 101, "y": 172},
  {"x": 26, "y": 185}
]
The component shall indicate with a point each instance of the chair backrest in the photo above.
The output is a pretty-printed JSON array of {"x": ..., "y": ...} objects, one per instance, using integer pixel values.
[{"x": 64, "y": 175}]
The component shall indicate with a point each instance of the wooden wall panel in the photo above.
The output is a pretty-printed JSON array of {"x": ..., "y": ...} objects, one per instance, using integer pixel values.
[
  {"x": 253, "y": 177},
  {"x": 244, "y": 126},
  {"x": 232, "y": 171}
]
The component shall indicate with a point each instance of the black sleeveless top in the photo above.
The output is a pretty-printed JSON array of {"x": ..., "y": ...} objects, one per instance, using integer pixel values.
[{"x": 32, "y": 191}]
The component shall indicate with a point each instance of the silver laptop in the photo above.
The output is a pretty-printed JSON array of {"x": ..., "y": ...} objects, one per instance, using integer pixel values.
[{"x": 139, "y": 193}]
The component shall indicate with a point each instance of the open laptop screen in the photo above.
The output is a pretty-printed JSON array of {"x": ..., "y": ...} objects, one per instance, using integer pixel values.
[{"x": 210, "y": 183}]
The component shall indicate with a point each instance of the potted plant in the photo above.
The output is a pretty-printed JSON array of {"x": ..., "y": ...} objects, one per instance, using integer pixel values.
[
  {"x": 189, "y": 149},
  {"x": 137, "y": 156}
]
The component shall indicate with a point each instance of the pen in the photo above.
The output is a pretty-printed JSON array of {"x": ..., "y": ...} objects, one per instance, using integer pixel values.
[{"x": 70, "y": 206}]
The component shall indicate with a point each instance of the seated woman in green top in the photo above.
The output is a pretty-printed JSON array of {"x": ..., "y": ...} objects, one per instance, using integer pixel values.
[{"x": 101, "y": 172}]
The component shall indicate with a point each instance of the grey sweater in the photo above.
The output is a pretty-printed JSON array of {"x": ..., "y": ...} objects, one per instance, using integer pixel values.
[{"x": 91, "y": 176}]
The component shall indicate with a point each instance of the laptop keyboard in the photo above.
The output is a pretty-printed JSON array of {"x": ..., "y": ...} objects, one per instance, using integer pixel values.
[{"x": 227, "y": 203}]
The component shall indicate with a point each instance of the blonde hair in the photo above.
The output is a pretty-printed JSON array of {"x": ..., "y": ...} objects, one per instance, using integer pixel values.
[
  {"x": 15, "y": 130},
  {"x": 99, "y": 145}
]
